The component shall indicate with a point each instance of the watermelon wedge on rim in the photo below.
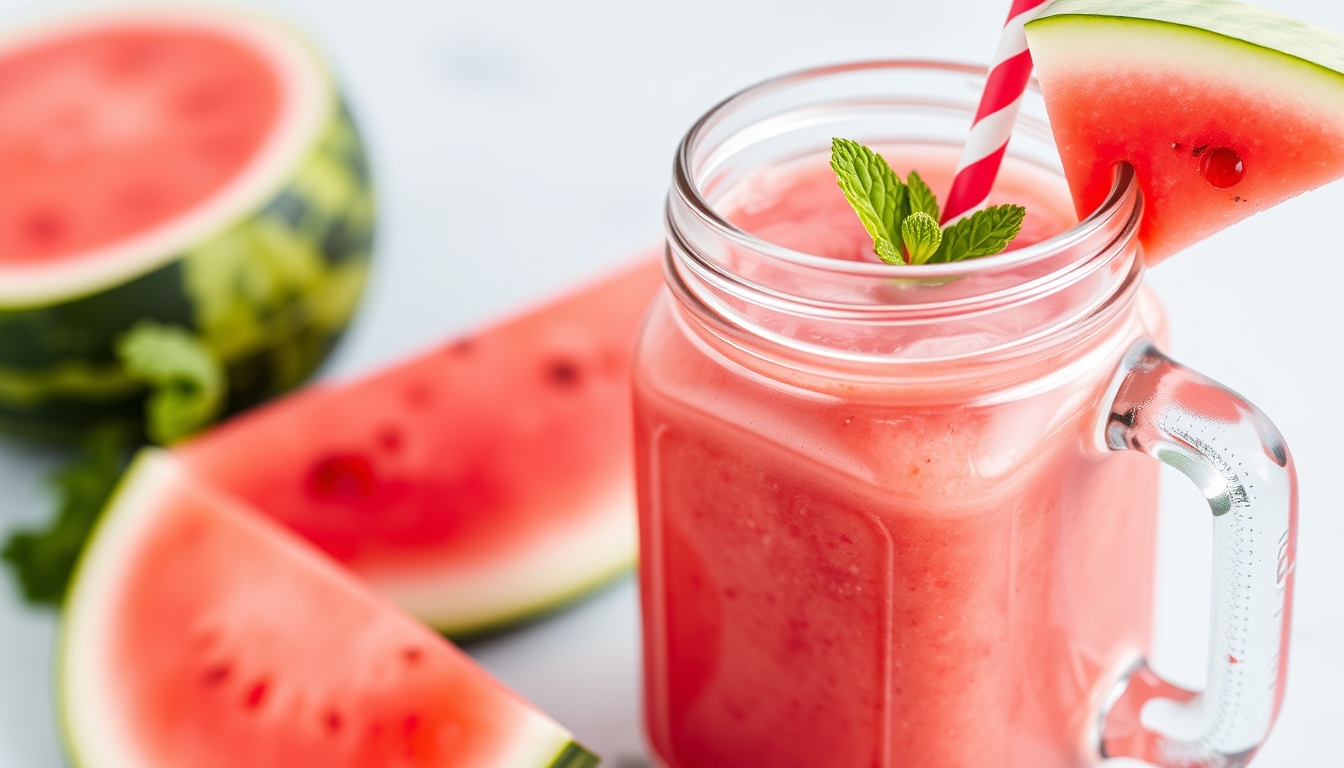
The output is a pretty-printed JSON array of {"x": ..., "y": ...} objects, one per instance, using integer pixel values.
[
  {"x": 199, "y": 633},
  {"x": 1224, "y": 109}
]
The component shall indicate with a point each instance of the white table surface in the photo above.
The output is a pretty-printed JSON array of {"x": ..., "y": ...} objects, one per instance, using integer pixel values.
[{"x": 582, "y": 102}]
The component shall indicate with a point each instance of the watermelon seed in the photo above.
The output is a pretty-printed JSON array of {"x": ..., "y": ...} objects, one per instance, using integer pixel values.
[
  {"x": 256, "y": 695},
  {"x": 215, "y": 675},
  {"x": 462, "y": 347},
  {"x": 563, "y": 373},
  {"x": 390, "y": 439},
  {"x": 333, "y": 721},
  {"x": 44, "y": 227},
  {"x": 411, "y": 655},
  {"x": 1222, "y": 168},
  {"x": 342, "y": 477},
  {"x": 1200, "y": 149}
]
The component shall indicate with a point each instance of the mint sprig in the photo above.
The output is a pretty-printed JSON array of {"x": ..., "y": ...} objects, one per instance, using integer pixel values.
[
  {"x": 875, "y": 192},
  {"x": 902, "y": 217},
  {"x": 43, "y": 558}
]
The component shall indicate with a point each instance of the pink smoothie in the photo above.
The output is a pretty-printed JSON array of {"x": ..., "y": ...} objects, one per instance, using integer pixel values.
[{"x": 839, "y": 574}]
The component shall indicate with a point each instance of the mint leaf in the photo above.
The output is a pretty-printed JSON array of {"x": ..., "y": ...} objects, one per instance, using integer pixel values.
[
  {"x": 187, "y": 382},
  {"x": 43, "y": 560},
  {"x": 922, "y": 235},
  {"x": 875, "y": 192},
  {"x": 920, "y": 196},
  {"x": 983, "y": 233}
]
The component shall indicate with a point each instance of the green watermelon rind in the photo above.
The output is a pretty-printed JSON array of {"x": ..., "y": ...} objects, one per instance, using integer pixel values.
[
  {"x": 476, "y": 601},
  {"x": 535, "y": 610},
  {"x": 269, "y": 291},
  {"x": 543, "y": 743},
  {"x": 1248, "y": 25},
  {"x": 82, "y": 603},
  {"x": 575, "y": 756}
]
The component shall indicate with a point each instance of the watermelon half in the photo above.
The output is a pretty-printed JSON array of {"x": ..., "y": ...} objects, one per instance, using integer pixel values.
[
  {"x": 193, "y": 166},
  {"x": 486, "y": 480},
  {"x": 1224, "y": 109},
  {"x": 198, "y": 633}
]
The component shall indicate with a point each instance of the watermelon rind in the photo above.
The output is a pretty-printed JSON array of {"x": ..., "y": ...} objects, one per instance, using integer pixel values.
[
  {"x": 267, "y": 273},
  {"x": 575, "y": 756},
  {"x": 92, "y": 732},
  {"x": 528, "y": 582},
  {"x": 1274, "y": 32},
  {"x": 1155, "y": 83}
]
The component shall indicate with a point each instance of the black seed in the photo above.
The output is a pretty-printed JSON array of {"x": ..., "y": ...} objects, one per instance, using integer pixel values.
[
  {"x": 215, "y": 675},
  {"x": 563, "y": 373},
  {"x": 1200, "y": 149}
]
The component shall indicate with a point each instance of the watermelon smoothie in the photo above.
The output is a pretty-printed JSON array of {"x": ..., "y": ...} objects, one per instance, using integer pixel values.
[{"x": 877, "y": 525}]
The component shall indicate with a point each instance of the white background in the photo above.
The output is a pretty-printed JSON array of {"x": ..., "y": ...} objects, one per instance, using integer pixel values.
[{"x": 525, "y": 145}]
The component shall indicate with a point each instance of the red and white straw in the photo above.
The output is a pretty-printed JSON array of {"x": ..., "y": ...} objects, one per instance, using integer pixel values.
[{"x": 983, "y": 152}]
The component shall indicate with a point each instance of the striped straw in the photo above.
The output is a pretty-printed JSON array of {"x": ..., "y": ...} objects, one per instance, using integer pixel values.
[{"x": 993, "y": 125}]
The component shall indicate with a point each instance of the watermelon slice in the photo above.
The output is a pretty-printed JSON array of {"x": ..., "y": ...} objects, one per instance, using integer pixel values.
[
  {"x": 1224, "y": 109},
  {"x": 478, "y": 483},
  {"x": 195, "y": 167},
  {"x": 201, "y": 634}
]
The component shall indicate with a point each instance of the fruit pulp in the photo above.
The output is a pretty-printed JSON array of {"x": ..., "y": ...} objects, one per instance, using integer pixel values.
[{"x": 857, "y": 574}]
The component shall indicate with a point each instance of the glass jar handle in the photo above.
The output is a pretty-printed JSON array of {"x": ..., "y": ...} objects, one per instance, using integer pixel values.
[{"x": 1239, "y": 461}]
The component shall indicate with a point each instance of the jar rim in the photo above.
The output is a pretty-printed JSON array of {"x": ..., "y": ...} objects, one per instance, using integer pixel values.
[{"x": 1117, "y": 202}]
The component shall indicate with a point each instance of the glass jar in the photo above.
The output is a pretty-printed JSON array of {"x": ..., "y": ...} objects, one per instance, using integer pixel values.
[{"x": 901, "y": 516}]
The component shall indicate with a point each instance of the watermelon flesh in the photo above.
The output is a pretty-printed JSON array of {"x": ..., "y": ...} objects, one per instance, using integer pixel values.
[
  {"x": 1184, "y": 91},
  {"x": 189, "y": 166},
  {"x": 201, "y": 634},
  {"x": 107, "y": 133},
  {"x": 485, "y": 480}
]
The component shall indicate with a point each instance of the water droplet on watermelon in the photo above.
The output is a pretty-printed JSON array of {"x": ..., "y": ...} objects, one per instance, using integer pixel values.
[
  {"x": 342, "y": 477},
  {"x": 1222, "y": 167},
  {"x": 563, "y": 373}
]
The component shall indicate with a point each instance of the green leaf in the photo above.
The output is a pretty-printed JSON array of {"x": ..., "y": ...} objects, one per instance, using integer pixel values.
[
  {"x": 922, "y": 236},
  {"x": 920, "y": 196},
  {"x": 186, "y": 379},
  {"x": 43, "y": 560},
  {"x": 875, "y": 192},
  {"x": 983, "y": 233}
]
